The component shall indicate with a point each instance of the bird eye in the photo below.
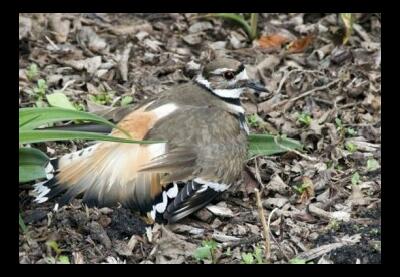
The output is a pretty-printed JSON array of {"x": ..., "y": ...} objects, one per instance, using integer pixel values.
[{"x": 229, "y": 75}]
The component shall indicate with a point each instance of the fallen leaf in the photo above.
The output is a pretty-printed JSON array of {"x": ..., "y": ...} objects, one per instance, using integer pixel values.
[
  {"x": 272, "y": 41},
  {"x": 172, "y": 248},
  {"x": 301, "y": 44},
  {"x": 60, "y": 27}
]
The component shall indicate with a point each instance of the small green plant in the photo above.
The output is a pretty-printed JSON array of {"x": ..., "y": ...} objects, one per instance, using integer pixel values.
[
  {"x": 126, "y": 100},
  {"x": 297, "y": 261},
  {"x": 355, "y": 179},
  {"x": 351, "y": 131},
  {"x": 247, "y": 21},
  {"x": 247, "y": 258},
  {"x": 372, "y": 165},
  {"x": 40, "y": 89},
  {"x": 32, "y": 72},
  {"x": 102, "y": 98},
  {"x": 351, "y": 147},
  {"x": 305, "y": 119},
  {"x": 206, "y": 251},
  {"x": 333, "y": 225},
  {"x": 300, "y": 189},
  {"x": 58, "y": 259},
  {"x": 253, "y": 120},
  {"x": 255, "y": 257}
]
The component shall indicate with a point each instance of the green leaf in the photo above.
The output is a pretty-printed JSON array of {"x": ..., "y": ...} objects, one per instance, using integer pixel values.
[
  {"x": 63, "y": 260},
  {"x": 31, "y": 164},
  {"x": 32, "y": 71},
  {"x": 29, "y": 173},
  {"x": 297, "y": 261},
  {"x": 351, "y": 131},
  {"x": 258, "y": 255},
  {"x": 355, "y": 179},
  {"x": 35, "y": 136},
  {"x": 22, "y": 223},
  {"x": 247, "y": 258},
  {"x": 236, "y": 18},
  {"x": 202, "y": 253},
  {"x": 32, "y": 156},
  {"x": 53, "y": 245},
  {"x": 126, "y": 100},
  {"x": 60, "y": 100},
  {"x": 264, "y": 144},
  {"x": 30, "y": 118},
  {"x": 372, "y": 165},
  {"x": 351, "y": 147}
]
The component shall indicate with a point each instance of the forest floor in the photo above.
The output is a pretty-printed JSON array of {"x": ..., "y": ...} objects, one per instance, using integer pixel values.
[{"x": 326, "y": 198}]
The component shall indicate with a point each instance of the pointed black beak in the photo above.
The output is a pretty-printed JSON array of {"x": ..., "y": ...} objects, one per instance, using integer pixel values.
[{"x": 256, "y": 86}]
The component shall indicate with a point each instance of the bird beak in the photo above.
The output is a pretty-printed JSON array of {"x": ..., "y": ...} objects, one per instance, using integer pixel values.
[{"x": 256, "y": 86}]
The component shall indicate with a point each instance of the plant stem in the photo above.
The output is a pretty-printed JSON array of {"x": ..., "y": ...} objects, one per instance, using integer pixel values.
[
  {"x": 265, "y": 226},
  {"x": 253, "y": 25}
]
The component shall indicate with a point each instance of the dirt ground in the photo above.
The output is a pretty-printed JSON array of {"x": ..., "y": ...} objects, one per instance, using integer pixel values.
[{"x": 326, "y": 199}]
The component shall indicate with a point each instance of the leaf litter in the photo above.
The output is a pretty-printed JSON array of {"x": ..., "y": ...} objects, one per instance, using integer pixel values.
[{"x": 93, "y": 61}]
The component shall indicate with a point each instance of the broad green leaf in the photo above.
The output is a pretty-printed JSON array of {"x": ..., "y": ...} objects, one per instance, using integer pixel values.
[
  {"x": 30, "y": 172},
  {"x": 35, "y": 136},
  {"x": 22, "y": 224},
  {"x": 32, "y": 156},
  {"x": 263, "y": 144},
  {"x": 60, "y": 100},
  {"x": 31, "y": 164},
  {"x": 30, "y": 118}
]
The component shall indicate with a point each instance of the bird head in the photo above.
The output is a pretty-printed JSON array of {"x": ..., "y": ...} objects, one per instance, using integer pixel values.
[{"x": 227, "y": 78}]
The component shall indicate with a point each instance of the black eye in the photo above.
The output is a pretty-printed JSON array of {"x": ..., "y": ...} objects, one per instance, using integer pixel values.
[{"x": 229, "y": 75}]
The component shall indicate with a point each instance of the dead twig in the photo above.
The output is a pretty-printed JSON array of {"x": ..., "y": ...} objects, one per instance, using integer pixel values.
[
  {"x": 272, "y": 236},
  {"x": 265, "y": 226},
  {"x": 304, "y": 94}
]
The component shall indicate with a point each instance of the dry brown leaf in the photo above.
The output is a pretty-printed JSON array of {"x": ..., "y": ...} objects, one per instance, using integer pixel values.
[
  {"x": 60, "y": 27},
  {"x": 122, "y": 30},
  {"x": 272, "y": 41},
  {"x": 300, "y": 44},
  {"x": 172, "y": 248}
]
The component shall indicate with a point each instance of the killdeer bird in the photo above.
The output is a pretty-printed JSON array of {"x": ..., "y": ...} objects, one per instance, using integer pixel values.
[{"x": 203, "y": 125}]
